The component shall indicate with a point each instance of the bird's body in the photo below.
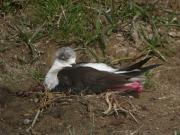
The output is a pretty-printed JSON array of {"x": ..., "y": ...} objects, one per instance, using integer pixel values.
[
  {"x": 94, "y": 77},
  {"x": 88, "y": 79}
]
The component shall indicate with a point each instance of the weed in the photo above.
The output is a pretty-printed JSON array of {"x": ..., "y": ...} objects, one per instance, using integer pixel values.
[
  {"x": 37, "y": 75},
  {"x": 176, "y": 132},
  {"x": 83, "y": 22},
  {"x": 153, "y": 42},
  {"x": 29, "y": 38},
  {"x": 72, "y": 131},
  {"x": 11, "y": 6},
  {"x": 88, "y": 24},
  {"x": 6, "y": 6},
  {"x": 148, "y": 82}
]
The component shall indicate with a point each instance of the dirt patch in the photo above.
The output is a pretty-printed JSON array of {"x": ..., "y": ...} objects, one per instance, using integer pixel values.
[
  {"x": 13, "y": 111},
  {"x": 158, "y": 111}
]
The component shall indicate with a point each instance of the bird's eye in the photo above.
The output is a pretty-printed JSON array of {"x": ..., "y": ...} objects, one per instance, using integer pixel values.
[
  {"x": 64, "y": 57},
  {"x": 61, "y": 57}
]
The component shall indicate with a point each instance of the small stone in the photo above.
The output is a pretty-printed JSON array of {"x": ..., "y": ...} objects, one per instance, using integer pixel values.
[
  {"x": 131, "y": 97},
  {"x": 27, "y": 121},
  {"x": 36, "y": 100},
  {"x": 26, "y": 114},
  {"x": 157, "y": 128}
]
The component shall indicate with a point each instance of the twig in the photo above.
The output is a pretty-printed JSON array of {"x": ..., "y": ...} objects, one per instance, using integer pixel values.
[
  {"x": 59, "y": 19},
  {"x": 36, "y": 32},
  {"x": 28, "y": 42},
  {"x": 109, "y": 103},
  {"x": 116, "y": 107},
  {"x": 126, "y": 111},
  {"x": 63, "y": 12},
  {"x": 171, "y": 11},
  {"x": 136, "y": 131},
  {"x": 133, "y": 117},
  {"x": 35, "y": 119}
]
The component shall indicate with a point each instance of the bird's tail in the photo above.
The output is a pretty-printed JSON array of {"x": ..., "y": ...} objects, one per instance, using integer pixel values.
[
  {"x": 137, "y": 65},
  {"x": 138, "y": 72}
]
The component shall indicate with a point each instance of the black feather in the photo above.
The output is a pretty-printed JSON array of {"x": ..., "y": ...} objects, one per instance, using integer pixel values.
[
  {"x": 86, "y": 78},
  {"x": 137, "y": 72},
  {"x": 137, "y": 65}
]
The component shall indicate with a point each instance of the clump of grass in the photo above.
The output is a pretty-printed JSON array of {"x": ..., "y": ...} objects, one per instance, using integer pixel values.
[
  {"x": 6, "y": 6},
  {"x": 12, "y": 6},
  {"x": 88, "y": 24},
  {"x": 29, "y": 38},
  {"x": 153, "y": 42},
  {"x": 176, "y": 132},
  {"x": 71, "y": 131},
  {"x": 148, "y": 82},
  {"x": 84, "y": 22},
  {"x": 37, "y": 75}
]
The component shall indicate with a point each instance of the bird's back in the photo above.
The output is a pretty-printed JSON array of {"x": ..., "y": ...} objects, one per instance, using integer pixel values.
[{"x": 87, "y": 78}]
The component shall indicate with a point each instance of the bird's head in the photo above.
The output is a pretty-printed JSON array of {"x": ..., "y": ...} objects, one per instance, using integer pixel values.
[{"x": 66, "y": 55}]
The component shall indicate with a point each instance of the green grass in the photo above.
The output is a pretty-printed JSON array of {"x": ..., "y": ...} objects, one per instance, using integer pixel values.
[
  {"x": 176, "y": 132},
  {"x": 88, "y": 24},
  {"x": 149, "y": 83},
  {"x": 77, "y": 21},
  {"x": 7, "y": 6},
  {"x": 37, "y": 75}
]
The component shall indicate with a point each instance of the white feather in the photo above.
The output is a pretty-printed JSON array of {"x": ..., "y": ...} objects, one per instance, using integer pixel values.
[
  {"x": 141, "y": 78},
  {"x": 120, "y": 72},
  {"x": 51, "y": 80},
  {"x": 104, "y": 67},
  {"x": 99, "y": 66}
]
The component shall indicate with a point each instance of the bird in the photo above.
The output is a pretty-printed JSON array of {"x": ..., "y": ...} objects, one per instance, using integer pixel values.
[{"x": 66, "y": 74}]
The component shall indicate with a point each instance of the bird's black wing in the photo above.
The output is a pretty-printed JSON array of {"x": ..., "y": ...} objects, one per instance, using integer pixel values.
[
  {"x": 82, "y": 78},
  {"x": 137, "y": 65},
  {"x": 140, "y": 71}
]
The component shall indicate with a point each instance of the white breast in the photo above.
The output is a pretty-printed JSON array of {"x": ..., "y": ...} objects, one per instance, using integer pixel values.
[{"x": 51, "y": 79}]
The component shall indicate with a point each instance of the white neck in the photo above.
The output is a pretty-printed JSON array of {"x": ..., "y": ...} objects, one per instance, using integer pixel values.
[
  {"x": 58, "y": 65},
  {"x": 51, "y": 80}
]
